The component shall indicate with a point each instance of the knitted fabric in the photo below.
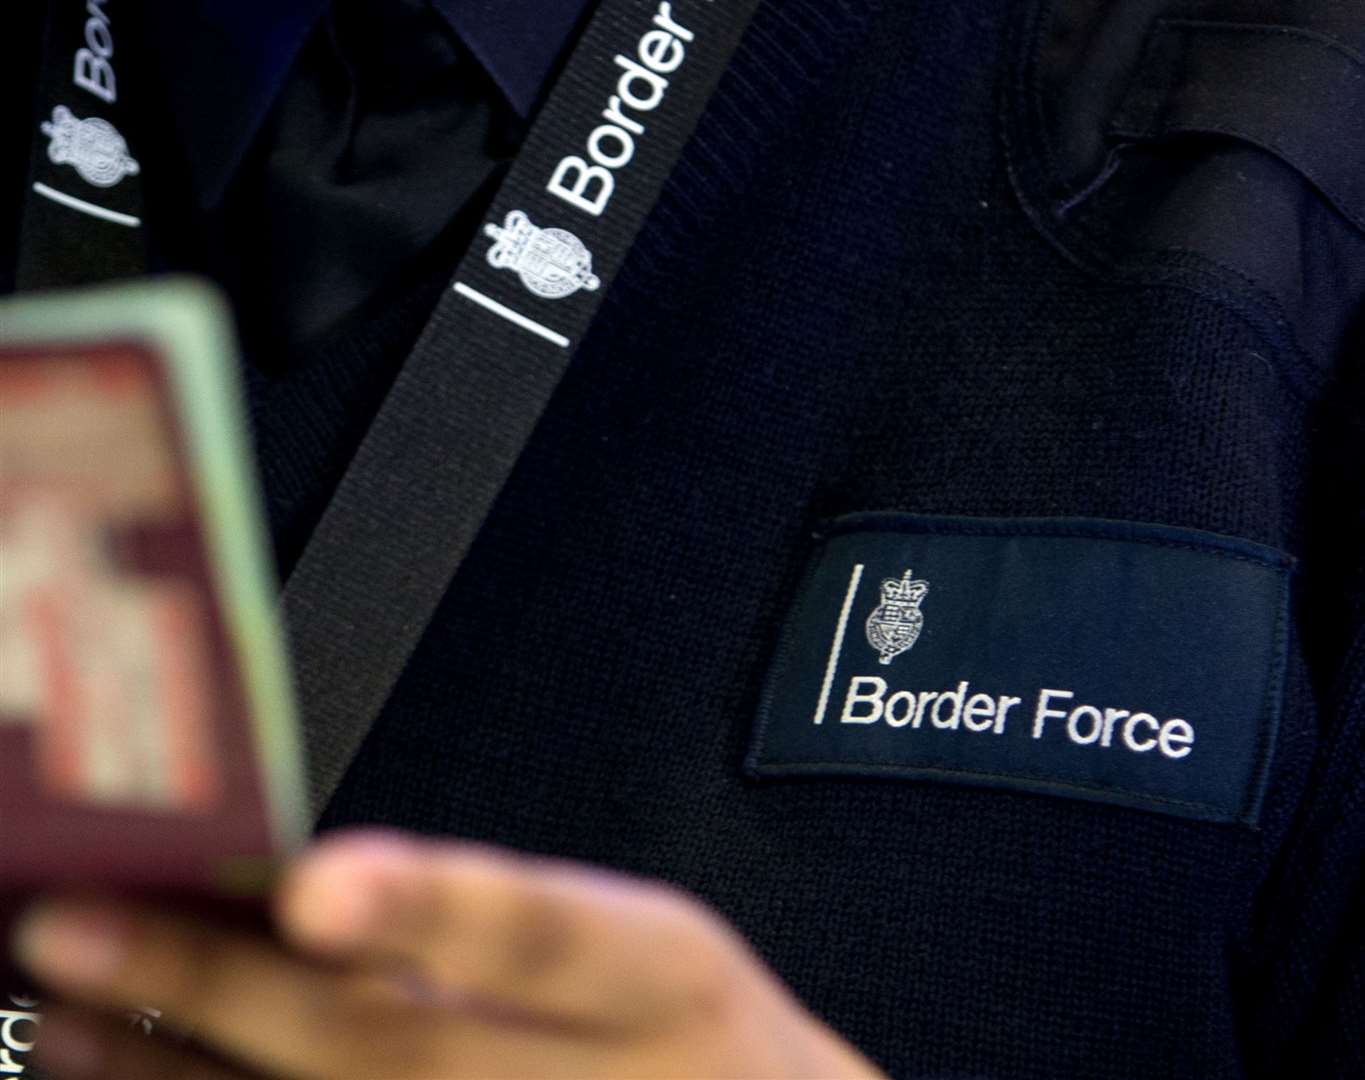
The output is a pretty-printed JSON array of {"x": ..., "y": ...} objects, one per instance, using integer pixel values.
[{"x": 843, "y": 302}]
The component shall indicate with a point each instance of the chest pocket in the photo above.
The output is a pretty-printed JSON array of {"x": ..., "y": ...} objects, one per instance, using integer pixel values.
[{"x": 1213, "y": 145}]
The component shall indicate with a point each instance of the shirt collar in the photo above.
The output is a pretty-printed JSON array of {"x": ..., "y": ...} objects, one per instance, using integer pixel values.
[
  {"x": 516, "y": 41},
  {"x": 223, "y": 64}
]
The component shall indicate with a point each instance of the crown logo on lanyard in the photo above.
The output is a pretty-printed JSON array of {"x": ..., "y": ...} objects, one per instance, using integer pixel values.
[
  {"x": 93, "y": 147},
  {"x": 550, "y": 262}
]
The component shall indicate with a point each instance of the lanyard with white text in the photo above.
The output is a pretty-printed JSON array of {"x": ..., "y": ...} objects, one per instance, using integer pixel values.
[
  {"x": 472, "y": 391},
  {"x": 469, "y": 396},
  {"x": 83, "y": 207}
]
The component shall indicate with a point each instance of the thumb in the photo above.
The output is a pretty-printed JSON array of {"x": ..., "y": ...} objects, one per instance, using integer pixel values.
[{"x": 565, "y": 940}]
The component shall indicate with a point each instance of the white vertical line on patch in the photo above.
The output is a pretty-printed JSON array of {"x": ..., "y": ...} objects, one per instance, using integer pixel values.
[{"x": 838, "y": 645}]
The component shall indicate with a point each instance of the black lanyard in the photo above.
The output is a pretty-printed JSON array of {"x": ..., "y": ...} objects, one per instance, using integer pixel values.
[
  {"x": 468, "y": 398},
  {"x": 470, "y": 394},
  {"x": 82, "y": 218}
]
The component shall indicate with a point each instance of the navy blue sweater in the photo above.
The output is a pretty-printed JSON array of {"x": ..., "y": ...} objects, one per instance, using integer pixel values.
[
  {"x": 944, "y": 259},
  {"x": 905, "y": 265}
]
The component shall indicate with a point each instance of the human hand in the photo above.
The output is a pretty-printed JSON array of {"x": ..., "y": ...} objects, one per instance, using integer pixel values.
[{"x": 400, "y": 957}]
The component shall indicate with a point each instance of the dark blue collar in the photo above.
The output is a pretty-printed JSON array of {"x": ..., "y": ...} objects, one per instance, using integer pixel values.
[
  {"x": 223, "y": 64},
  {"x": 517, "y": 41}
]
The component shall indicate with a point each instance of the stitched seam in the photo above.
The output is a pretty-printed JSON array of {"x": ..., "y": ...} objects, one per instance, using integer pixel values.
[
  {"x": 1272, "y": 30},
  {"x": 1271, "y": 709},
  {"x": 1310, "y": 174},
  {"x": 1079, "y": 785},
  {"x": 1037, "y": 112},
  {"x": 1189, "y": 255},
  {"x": 852, "y": 522},
  {"x": 783, "y": 652}
]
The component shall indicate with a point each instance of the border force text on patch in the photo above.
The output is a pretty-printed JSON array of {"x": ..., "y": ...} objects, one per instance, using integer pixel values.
[{"x": 1119, "y": 662}]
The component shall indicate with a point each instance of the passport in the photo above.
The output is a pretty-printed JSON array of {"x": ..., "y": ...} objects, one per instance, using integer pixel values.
[{"x": 148, "y": 740}]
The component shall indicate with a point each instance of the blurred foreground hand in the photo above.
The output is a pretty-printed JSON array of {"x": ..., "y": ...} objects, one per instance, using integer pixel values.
[{"x": 410, "y": 958}]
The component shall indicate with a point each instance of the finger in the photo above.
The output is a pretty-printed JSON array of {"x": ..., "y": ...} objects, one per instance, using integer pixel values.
[
  {"x": 237, "y": 992},
  {"x": 554, "y": 937},
  {"x": 274, "y": 1013},
  {"x": 81, "y": 1045}
]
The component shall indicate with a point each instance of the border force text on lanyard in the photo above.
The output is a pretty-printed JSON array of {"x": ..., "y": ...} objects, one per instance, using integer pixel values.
[
  {"x": 82, "y": 218},
  {"x": 470, "y": 394},
  {"x": 468, "y": 398}
]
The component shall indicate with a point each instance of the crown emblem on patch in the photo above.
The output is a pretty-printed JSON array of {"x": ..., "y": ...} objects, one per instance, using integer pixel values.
[
  {"x": 895, "y": 623},
  {"x": 93, "y": 147},
  {"x": 550, "y": 262}
]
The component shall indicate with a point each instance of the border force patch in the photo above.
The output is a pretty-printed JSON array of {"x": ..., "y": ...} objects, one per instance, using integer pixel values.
[{"x": 1118, "y": 662}]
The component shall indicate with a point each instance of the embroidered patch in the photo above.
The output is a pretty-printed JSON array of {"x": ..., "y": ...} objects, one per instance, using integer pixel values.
[{"x": 1124, "y": 663}]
